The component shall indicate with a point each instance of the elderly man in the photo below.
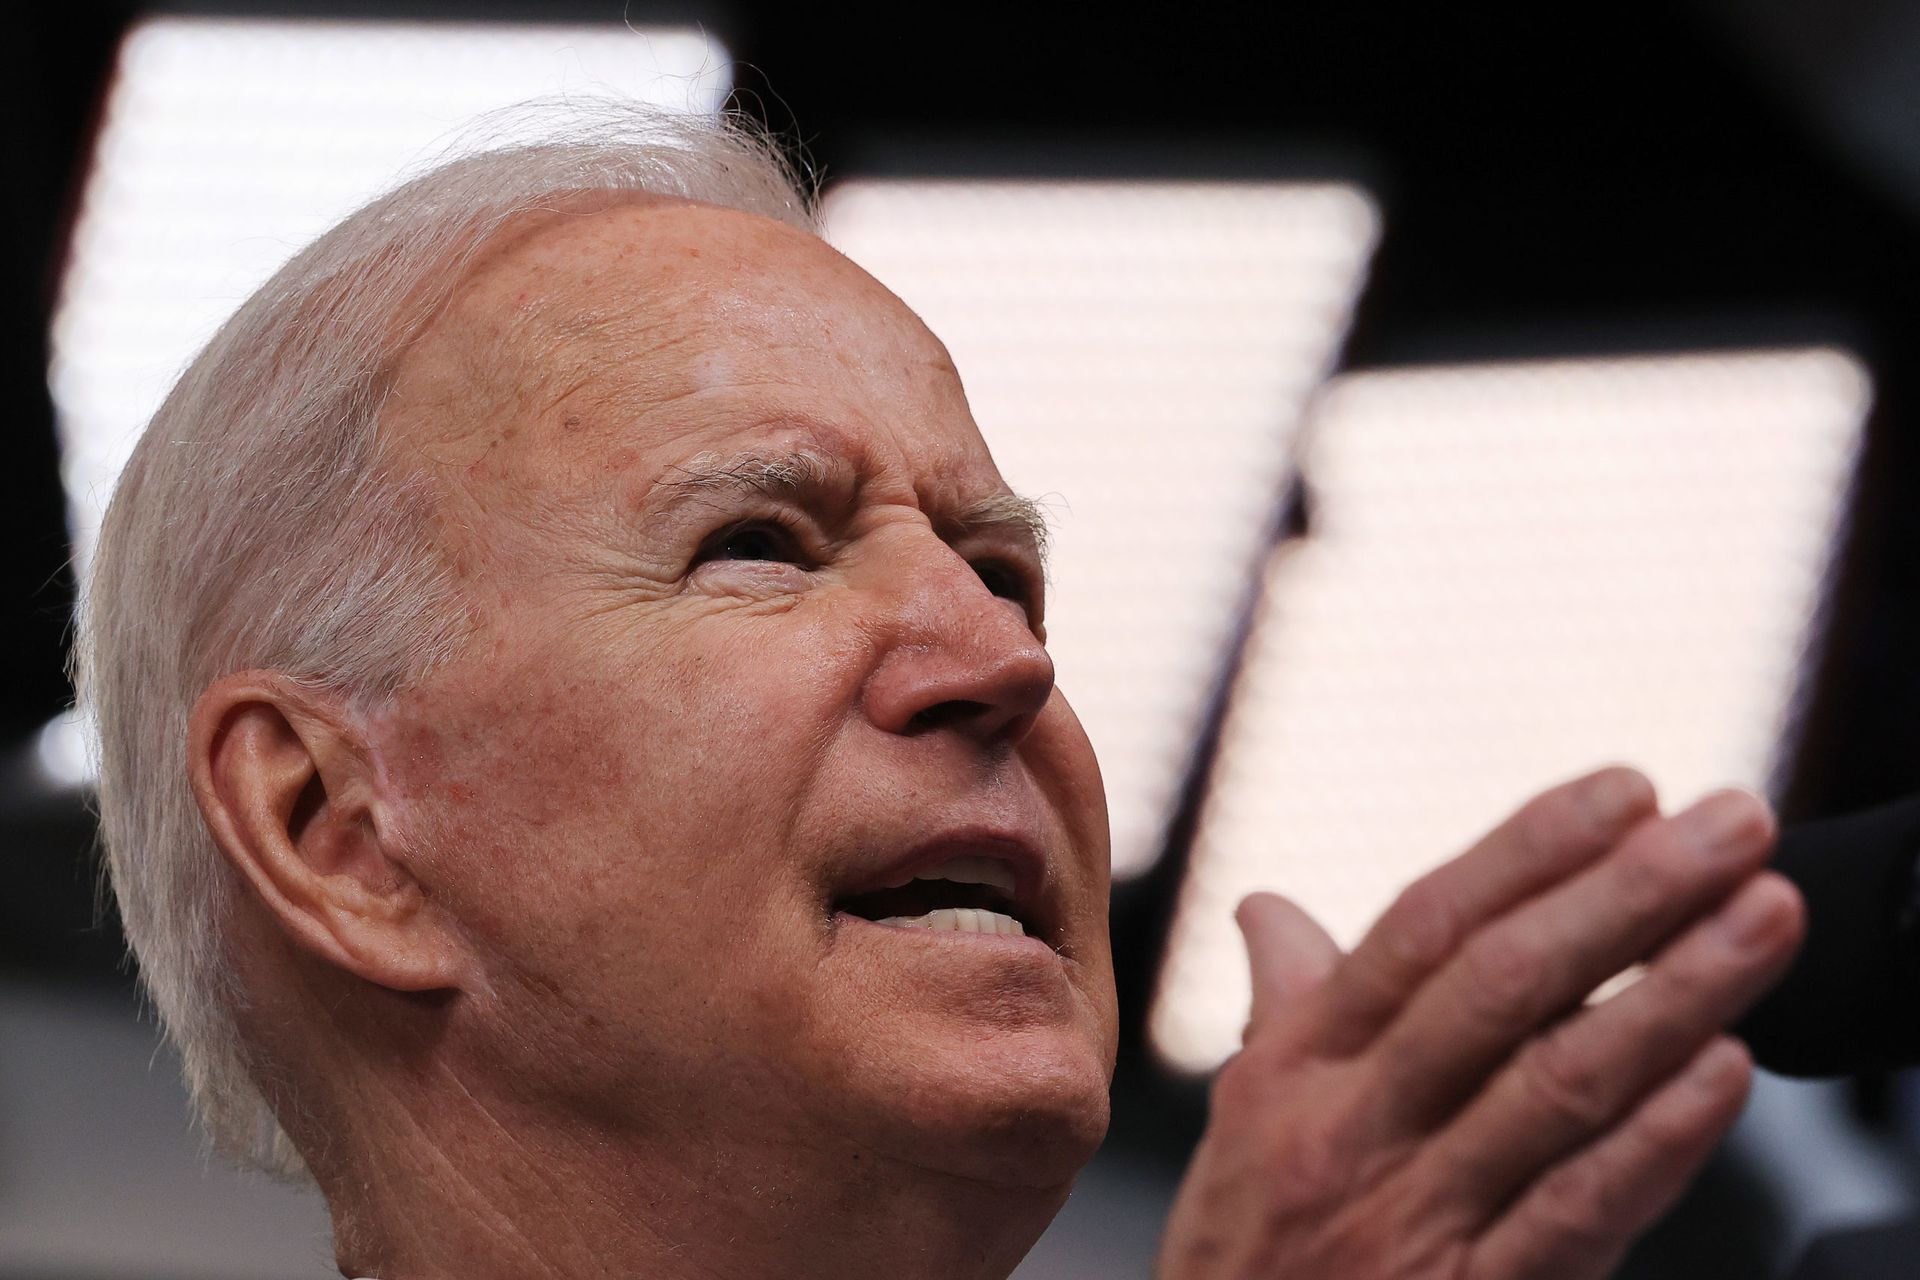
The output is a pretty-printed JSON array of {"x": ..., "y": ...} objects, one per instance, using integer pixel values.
[{"x": 584, "y": 780}]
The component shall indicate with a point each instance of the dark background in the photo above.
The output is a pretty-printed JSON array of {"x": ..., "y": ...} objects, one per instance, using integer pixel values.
[{"x": 1696, "y": 175}]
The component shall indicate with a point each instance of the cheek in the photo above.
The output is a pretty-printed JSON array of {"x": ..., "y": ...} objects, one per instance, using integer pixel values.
[
  {"x": 1064, "y": 765},
  {"x": 1066, "y": 769},
  {"x": 528, "y": 755},
  {"x": 631, "y": 794}
]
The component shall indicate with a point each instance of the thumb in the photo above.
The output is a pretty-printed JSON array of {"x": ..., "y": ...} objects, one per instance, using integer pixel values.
[{"x": 1288, "y": 951}]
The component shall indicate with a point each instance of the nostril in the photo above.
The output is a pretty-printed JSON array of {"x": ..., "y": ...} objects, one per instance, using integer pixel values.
[{"x": 946, "y": 714}]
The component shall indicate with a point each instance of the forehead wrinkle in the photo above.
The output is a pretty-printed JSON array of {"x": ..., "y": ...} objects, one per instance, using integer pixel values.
[
  {"x": 787, "y": 473},
  {"x": 526, "y": 331}
]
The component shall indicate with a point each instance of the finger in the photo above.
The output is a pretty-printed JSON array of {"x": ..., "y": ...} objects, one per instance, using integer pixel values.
[
  {"x": 1544, "y": 958},
  {"x": 1577, "y": 1221},
  {"x": 1579, "y": 1079},
  {"x": 1554, "y": 836},
  {"x": 1289, "y": 953}
]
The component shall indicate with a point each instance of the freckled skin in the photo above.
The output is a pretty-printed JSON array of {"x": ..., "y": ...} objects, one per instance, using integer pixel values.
[{"x": 634, "y": 790}]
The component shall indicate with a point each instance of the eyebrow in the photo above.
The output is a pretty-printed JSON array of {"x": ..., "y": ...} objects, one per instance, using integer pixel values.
[
  {"x": 1009, "y": 513},
  {"x": 785, "y": 474},
  {"x": 796, "y": 472}
]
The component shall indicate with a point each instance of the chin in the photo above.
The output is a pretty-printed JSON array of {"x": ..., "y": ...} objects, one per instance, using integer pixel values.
[{"x": 1015, "y": 1109}]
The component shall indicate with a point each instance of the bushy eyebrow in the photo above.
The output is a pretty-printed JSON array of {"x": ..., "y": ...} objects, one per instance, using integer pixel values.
[
  {"x": 776, "y": 475},
  {"x": 797, "y": 472},
  {"x": 1009, "y": 513}
]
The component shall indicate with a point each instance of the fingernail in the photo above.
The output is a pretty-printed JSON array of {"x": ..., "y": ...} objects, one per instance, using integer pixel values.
[
  {"x": 1608, "y": 796},
  {"x": 1749, "y": 919},
  {"x": 1719, "y": 1064},
  {"x": 1720, "y": 820}
]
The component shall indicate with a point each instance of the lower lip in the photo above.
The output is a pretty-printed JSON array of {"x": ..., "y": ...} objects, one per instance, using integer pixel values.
[{"x": 1015, "y": 944}]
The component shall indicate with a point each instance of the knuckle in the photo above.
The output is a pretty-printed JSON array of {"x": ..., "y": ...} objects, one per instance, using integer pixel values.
[
  {"x": 1680, "y": 988},
  {"x": 1241, "y": 1084},
  {"x": 1421, "y": 928},
  {"x": 1576, "y": 1203},
  {"x": 1549, "y": 819},
  {"x": 1503, "y": 975},
  {"x": 1568, "y": 1081},
  {"x": 1648, "y": 879},
  {"x": 1313, "y": 1164},
  {"x": 1258, "y": 1079},
  {"x": 1687, "y": 992},
  {"x": 1698, "y": 1107},
  {"x": 1419, "y": 1248}
]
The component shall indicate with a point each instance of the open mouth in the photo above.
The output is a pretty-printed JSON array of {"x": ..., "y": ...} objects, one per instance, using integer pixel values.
[{"x": 968, "y": 894}]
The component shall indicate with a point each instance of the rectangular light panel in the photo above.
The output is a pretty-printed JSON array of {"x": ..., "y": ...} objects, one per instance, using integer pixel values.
[
  {"x": 227, "y": 145},
  {"x": 1515, "y": 574},
  {"x": 1137, "y": 355}
]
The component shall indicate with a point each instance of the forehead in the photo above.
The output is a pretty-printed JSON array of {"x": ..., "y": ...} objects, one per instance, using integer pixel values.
[{"x": 634, "y": 337}]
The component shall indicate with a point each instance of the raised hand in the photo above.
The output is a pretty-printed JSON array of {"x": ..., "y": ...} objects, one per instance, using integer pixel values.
[{"x": 1442, "y": 1103}]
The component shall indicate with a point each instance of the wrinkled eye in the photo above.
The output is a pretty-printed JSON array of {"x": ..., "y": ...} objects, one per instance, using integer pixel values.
[
  {"x": 760, "y": 540},
  {"x": 1008, "y": 582}
]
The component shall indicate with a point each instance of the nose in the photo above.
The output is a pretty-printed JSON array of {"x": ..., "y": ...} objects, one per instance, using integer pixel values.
[{"x": 956, "y": 658}]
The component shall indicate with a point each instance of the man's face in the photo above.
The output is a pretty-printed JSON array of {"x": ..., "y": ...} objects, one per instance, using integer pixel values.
[{"x": 755, "y": 642}]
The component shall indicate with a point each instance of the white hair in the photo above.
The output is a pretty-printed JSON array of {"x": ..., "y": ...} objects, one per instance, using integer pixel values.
[{"x": 261, "y": 524}]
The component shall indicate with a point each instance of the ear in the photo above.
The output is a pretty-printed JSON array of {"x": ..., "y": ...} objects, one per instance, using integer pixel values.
[{"x": 286, "y": 784}]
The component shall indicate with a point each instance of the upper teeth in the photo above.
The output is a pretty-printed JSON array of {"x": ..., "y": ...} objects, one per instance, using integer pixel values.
[
  {"x": 960, "y": 920},
  {"x": 972, "y": 869}
]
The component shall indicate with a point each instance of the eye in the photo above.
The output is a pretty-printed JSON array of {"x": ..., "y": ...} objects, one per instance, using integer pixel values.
[
  {"x": 1010, "y": 582},
  {"x": 756, "y": 540}
]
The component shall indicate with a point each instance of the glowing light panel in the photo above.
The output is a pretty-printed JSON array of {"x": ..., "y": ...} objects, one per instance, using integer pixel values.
[
  {"x": 227, "y": 145},
  {"x": 1516, "y": 573},
  {"x": 1138, "y": 355}
]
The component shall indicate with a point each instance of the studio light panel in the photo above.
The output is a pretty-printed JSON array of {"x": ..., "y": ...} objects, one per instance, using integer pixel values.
[
  {"x": 226, "y": 145},
  {"x": 1515, "y": 574},
  {"x": 1138, "y": 356}
]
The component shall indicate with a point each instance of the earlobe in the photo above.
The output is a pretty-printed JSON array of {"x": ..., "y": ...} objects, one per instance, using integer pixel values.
[{"x": 284, "y": 782}]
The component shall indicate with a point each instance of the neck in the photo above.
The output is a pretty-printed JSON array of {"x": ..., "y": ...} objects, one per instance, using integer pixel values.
[{"x": 465, "y": 1189}]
